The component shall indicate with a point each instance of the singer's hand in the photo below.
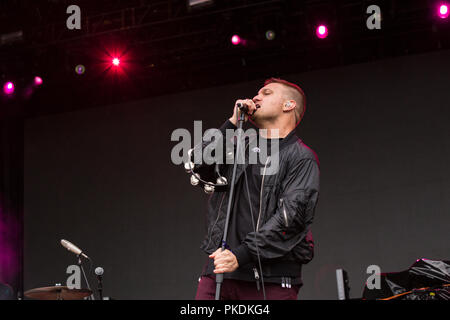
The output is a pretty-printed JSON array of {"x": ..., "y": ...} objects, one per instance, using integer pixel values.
[
  {"x": 224, "y": 261},
  {"x": 251, "y": 108}
]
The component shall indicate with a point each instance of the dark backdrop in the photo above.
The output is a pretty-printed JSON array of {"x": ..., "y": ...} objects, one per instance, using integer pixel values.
[{"x": 103, "y": 179}]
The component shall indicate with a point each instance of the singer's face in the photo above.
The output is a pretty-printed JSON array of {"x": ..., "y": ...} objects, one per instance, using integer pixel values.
[{"x": 270, "y": 98}]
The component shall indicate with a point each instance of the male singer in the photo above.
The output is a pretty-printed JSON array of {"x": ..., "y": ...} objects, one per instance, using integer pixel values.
[{"x": 269, "y": 236}]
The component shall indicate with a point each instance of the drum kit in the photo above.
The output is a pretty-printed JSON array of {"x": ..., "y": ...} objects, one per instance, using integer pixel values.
[{"x": 57, "y": 293}]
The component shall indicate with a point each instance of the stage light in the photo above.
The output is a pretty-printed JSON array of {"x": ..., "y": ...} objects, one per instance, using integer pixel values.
[
  {"x": 37, "y": 81},
  {"x": 235, "y": 39},
  {"x": 270, "y": 35},
  {"x": 80, "y": 69},
  {"x": 116, "y": 62},
  {"x": 322, "y": 31},
  {"x": 199, "y": 3},
  {"x": 443, "y": 11},
  {"x": 12, "y": 37},
  {"x": 8, "y": 88}
]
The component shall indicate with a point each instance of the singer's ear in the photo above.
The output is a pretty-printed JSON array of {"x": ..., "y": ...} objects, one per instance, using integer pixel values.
[{"x": 289, "y": 105}]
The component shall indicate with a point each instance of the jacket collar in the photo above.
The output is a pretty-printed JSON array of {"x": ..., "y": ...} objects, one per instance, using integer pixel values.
[{"x": 289, "y": 139}]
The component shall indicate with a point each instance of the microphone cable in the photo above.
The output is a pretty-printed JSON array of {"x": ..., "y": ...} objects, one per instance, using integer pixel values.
[
  {"x": 253, "y": 224},
  {"x": 255, "y": 232}
]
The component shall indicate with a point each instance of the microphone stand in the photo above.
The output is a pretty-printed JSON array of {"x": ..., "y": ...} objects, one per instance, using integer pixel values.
[
  {"x": 100, "y": 287},
  {"x": 219, "y": 276},
  {"x": 84, "y": 275}
]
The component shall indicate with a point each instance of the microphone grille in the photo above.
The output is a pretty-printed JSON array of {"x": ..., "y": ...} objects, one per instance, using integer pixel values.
[{"x": 99, "y": 271}]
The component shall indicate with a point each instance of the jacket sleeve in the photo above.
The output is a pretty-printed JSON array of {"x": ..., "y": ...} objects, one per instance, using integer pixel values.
[{"x": 289, "y": 225}]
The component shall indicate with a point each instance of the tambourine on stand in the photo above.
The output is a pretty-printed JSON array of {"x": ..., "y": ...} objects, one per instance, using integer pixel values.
[{"x": 208, "y": 187}]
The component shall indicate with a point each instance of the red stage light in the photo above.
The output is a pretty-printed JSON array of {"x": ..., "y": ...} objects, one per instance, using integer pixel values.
[
  {"x": 322, "y": 31},
  {"x": 235, "y": 39},
  {"x": 443, "y": 11},
  {"x": 37, "y": 81},
  {"x": 116, "y": 62},
  {"x": 8, "y": 88}
]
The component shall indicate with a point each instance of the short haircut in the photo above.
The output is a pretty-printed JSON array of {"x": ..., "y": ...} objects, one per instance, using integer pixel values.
[{"x": 295, "y": 93}]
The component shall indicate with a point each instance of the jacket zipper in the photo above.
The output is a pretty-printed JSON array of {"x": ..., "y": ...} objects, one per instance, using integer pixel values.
[
  {"x": 261, "y": 193},
  {"x": 255, "y": 271},
  {"x": 284, "y": 213}
]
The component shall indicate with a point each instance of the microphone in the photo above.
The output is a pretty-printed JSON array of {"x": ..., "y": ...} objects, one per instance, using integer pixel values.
[
  {"x": 99, "y": 272},
  {"x": 243, "y": 107},
  {"x": 73, "y": 248}
]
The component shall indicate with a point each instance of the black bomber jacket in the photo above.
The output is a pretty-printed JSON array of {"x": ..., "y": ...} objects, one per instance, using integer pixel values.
[{"x": 288, "y": 200}]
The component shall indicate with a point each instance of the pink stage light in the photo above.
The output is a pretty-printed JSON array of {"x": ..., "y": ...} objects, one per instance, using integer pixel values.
[
  {"x": 80, "y": 69},
  {"x": 116, "y": 62},
  {"x": 443, "y": 11},
  {"x": 322, "y": 31},
  {"x": 235, "y": 39},
  {"x": 8, "y": 88},
  {"x": 37, "y": 81}
]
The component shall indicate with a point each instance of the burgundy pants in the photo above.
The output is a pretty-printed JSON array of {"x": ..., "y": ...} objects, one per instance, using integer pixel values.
[{"x": 243, "y": 290}]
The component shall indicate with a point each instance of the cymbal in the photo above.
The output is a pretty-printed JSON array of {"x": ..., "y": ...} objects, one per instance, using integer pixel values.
[{"x": 57, "y": 293}]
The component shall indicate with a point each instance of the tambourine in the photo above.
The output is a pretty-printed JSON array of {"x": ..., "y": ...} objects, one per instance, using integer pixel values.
[{"x": 208, "y": 187}]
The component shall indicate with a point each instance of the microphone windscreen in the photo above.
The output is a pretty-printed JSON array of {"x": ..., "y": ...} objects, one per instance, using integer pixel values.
[{"x": 99, "y": 271}]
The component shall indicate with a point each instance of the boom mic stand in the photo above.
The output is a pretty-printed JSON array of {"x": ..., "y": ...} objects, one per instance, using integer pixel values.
[
  {"x": 80, "y": 265},
  {"x": 219, "y": 276}
]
